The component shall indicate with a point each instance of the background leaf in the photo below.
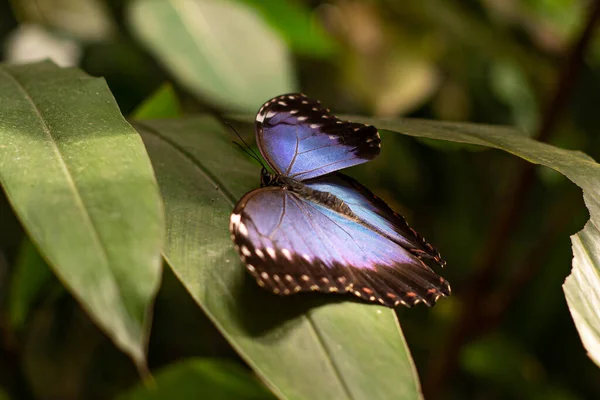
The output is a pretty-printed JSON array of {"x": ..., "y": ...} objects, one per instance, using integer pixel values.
[
  {"x": 162, "y": 104},
  {"x": 30, "y": 275},
  {"x": 197, "y": 378},
  {"x": 78, "y": 178},
  {"x": 296, "y": 24},
  {"x": 582, "y": 288},
  {"x": 311, "y": 347},
  {"x": 202, "y": 41},
  {"x": 580, "y": 168}
]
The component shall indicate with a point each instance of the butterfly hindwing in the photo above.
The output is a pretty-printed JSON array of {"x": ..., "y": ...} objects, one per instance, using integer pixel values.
[
  {"x": 291, "y": 243},
  {"x": 302, "y": 140}
]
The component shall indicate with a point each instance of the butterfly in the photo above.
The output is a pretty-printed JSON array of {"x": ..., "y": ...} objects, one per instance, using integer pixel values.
[{"x": 311, "y": 228}]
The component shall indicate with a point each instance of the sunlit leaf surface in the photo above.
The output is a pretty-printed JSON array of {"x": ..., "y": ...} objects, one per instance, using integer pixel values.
[
  {"x": 203, "y": 43},
  {"x": 79, "y": 179}
]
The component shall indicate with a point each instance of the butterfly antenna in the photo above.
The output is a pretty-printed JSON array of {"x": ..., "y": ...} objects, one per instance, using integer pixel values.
[{"x": 248, "y": 150}]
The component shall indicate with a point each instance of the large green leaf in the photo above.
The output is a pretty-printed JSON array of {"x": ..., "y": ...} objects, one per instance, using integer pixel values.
[
  {"x": 582, "y": 288},
  {"x": 198, "y": 378},
  {"x": 580, "y": 168},
  {"x": 303, "y": 347},
  {"x": 79, "y": 179},
  {"x": 219, "y": 49}
]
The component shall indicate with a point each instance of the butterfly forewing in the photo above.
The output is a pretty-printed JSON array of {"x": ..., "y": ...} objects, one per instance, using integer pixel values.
[
  {"x": 300, "y": 139},
  {"x": 291, "y": 244}
]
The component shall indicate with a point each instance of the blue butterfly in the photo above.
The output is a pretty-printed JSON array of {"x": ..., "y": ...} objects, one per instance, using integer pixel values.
[{"x": 310, "y": 228}]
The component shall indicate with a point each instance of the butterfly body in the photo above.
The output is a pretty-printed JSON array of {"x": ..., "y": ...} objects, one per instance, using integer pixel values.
[
  {"x": 309, "y": 228},
  {"x": 307, "y": 193}
]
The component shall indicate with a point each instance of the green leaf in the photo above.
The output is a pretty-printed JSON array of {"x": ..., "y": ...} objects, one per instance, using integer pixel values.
[
  {"x": 303, "y": 347},
  {"x": 29, "y": 276},
  {"x": 79, "y": 180},
  {"x": 220, "y": 50},
  {"x": 294, "y": 22},
  {"x": 198, "y": 378},
  {"x": 580, "y": 168},
  {"x": 161, "y": 104},
  {"x": 582, "y": 288}
]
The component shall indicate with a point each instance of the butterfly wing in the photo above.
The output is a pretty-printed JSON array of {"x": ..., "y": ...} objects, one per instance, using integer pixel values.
[
  {"x": 291, "y": 244},
  {"x": 376, "y": 213},
  {"x": 300, "y": 139}
]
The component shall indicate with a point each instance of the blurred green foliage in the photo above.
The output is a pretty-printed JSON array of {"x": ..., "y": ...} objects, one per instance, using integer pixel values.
[{"x": 486, "y": 61}]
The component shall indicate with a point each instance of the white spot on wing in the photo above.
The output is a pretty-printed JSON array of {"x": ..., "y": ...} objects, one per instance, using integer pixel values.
[
  {"x": 302, "y": 118},
  {"x": 271, "y": 253},
  {"x": 306, "y": 257},
  {"x": 282, "y": 103},
  {"x": 271, "y": 114},
  {"x": 315, "y": 126},
  {"x": 242, "y": 229},
  {"x": 287, "y": 254},
  {"x": 245, "y": 251},
  {"x": 234, "y": 220},
  {"x": 260, "y": 254}
]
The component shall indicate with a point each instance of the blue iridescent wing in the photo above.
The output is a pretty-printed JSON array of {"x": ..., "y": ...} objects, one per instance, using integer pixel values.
[
  {"x": 376, "y": 213},
  {"x": 291, "y": 244},
  {"x": 300, "y": 139}
]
